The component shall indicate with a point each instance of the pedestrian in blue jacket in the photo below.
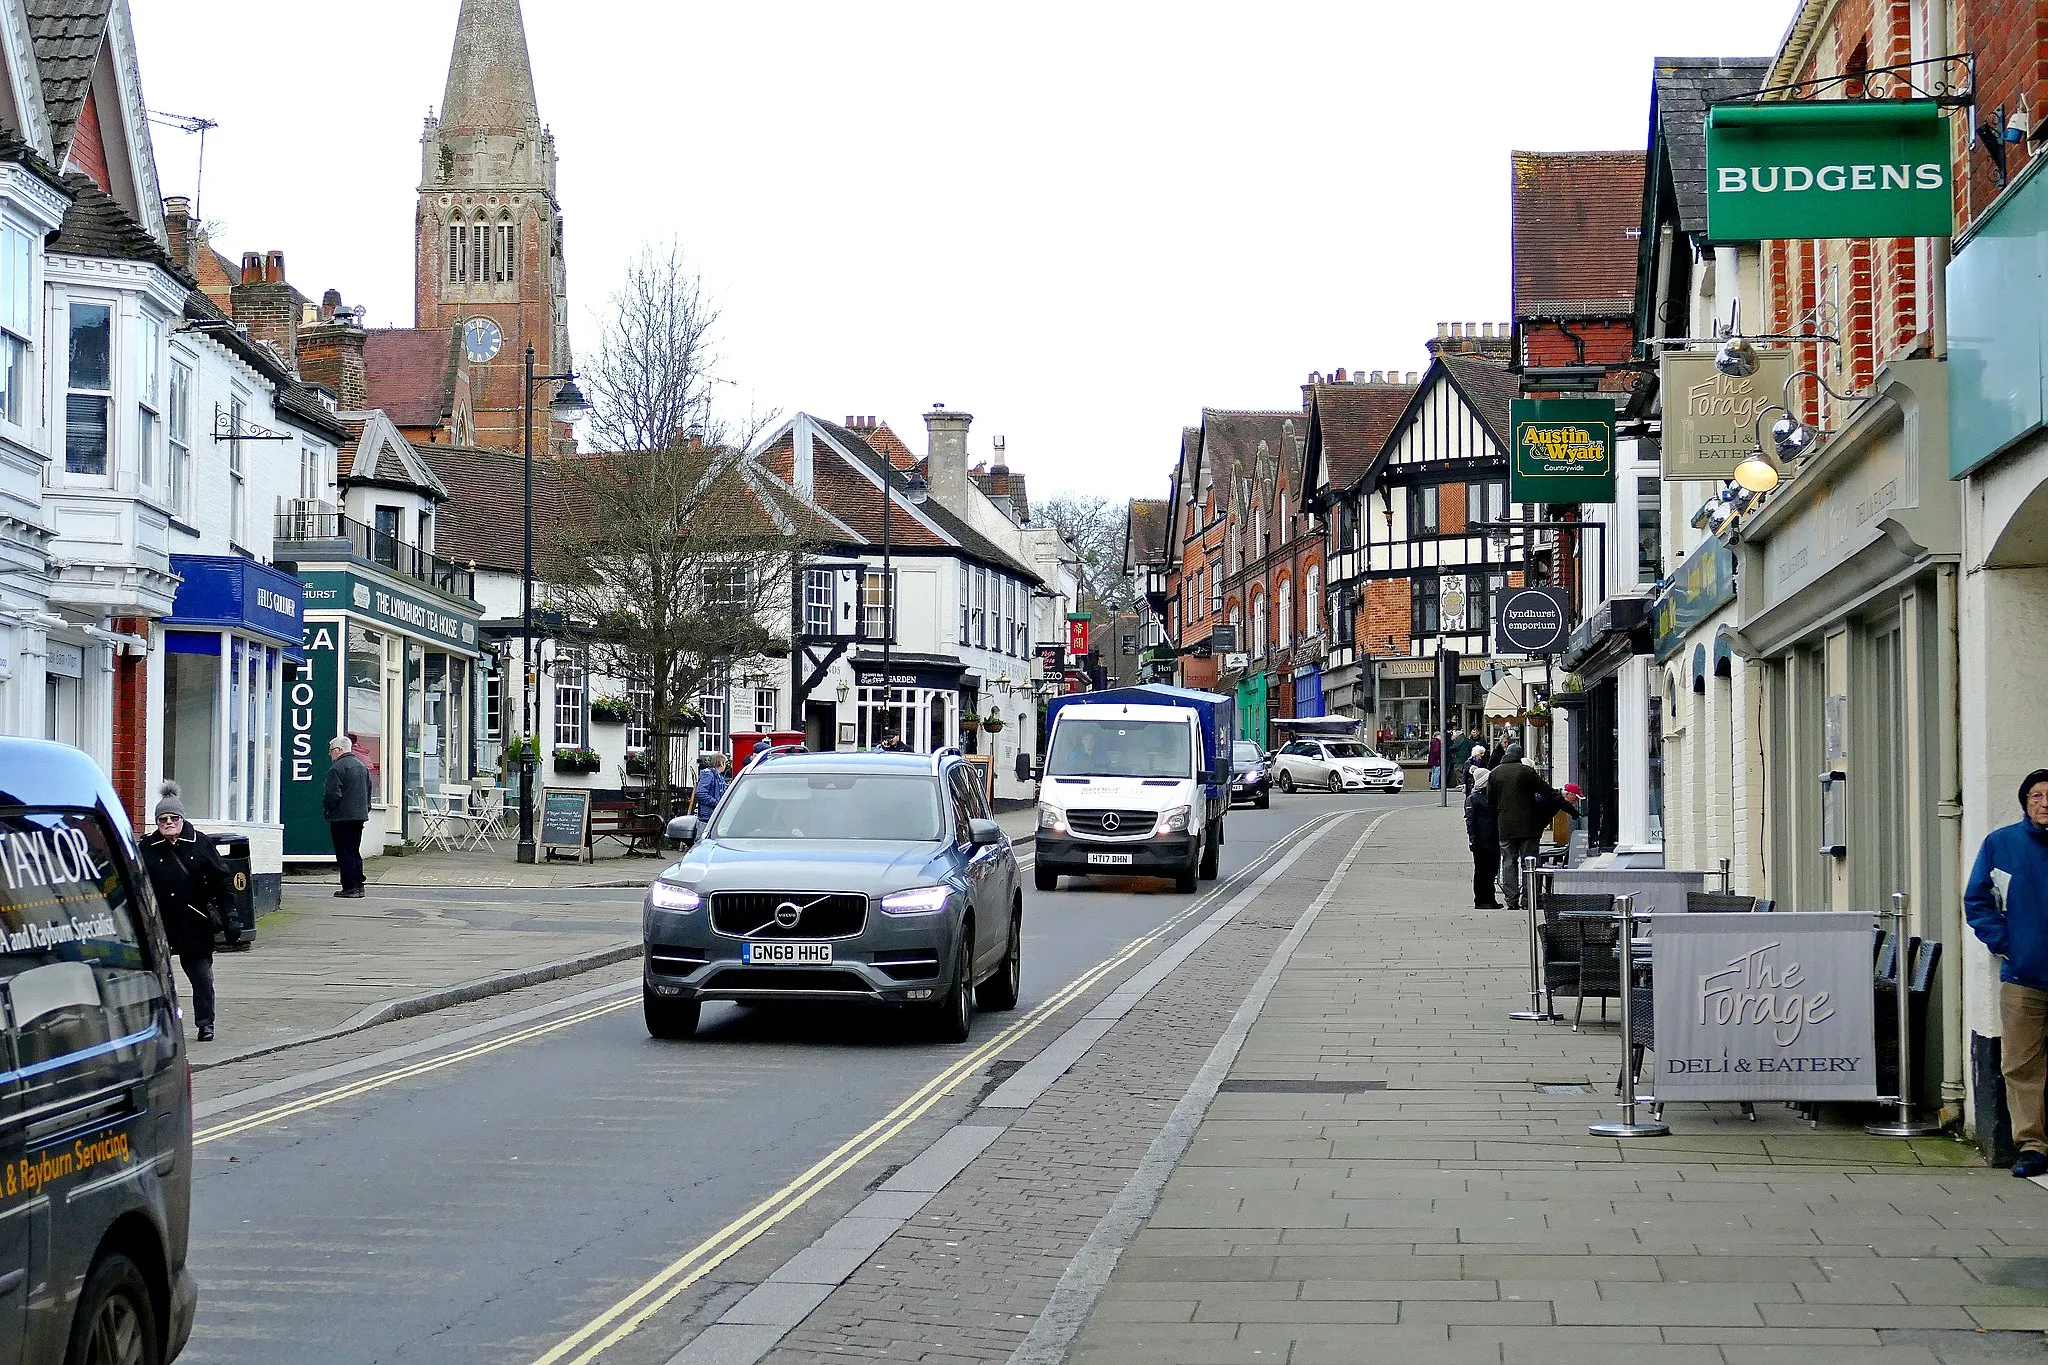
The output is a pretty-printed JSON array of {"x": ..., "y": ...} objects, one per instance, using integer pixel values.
[{"x": 2007, "y": 905}]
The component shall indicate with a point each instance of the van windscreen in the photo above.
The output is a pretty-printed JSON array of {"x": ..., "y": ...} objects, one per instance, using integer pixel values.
[{"x": 1120, "y": 748}]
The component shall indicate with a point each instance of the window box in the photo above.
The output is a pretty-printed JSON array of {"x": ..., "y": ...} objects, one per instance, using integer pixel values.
[
  {"x": 577, "y": 761},
  {"x": 611, "y": 711}
]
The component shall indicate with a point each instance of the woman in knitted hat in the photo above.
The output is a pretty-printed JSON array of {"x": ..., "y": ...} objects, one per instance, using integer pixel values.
[{"x": 193, "y": 896}]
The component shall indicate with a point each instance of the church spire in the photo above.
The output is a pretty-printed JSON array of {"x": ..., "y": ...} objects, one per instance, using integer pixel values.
[{"x": 490, "y": 79}]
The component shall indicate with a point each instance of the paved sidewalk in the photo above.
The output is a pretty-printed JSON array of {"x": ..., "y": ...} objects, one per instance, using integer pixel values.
[{"x": 1462, "y": 1213}]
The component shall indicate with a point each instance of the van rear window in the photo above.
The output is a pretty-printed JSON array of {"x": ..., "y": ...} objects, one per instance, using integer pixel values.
[{"x": 74, "y": 975}]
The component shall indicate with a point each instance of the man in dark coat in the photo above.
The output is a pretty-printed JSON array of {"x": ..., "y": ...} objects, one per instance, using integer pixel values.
[
  {"x": 346, "y": 804},
  {"x": 2006, "y": 903},
  {"x": 1482, "y": 834},
  {"x": 191, "y": 884},
  {"x": 1522, "y": 805}
]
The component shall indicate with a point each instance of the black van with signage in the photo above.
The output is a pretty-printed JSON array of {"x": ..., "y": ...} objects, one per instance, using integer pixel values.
[{"x": 95, "y": 1087}]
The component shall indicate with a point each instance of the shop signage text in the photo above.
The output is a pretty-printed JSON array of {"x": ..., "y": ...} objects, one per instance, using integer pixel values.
[
  {"x": 1563, "y": 450},
  {"x": 236, "y": 593},
  {"x": 1533, "y": 621},
  {"x": 1703, "y": 585},
  {"x": 1077, "y": 634},
  {"x": 1764, "y": 1007},
  {"x": 312, "y": 716},
  {"x": 1828, "y": 169},
  {"x": 1711, "y": 419},
  {"x": 331, "y": 590}
]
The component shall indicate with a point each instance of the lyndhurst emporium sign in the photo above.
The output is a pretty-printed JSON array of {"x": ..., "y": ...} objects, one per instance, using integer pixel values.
[
  {"x": 1563, "y": 450},
  {"x": 1764, "y": 1007},
  {"x": 1710, "y": 419},
  {"x": 1828, "y": 169}
]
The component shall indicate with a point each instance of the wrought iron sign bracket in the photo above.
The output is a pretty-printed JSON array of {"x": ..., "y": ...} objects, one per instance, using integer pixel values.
[
  {"x": 1950, "y": 82},
  {"x": 225, "y": 428}
]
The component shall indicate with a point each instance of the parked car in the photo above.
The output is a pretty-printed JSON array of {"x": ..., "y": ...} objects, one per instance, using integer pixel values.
[
  {"x": 1336, "y": 765},
  {"x": 96, "y": 1120},
  {"x": 877, "y": 877},
  {"x": 1250, "y": 779}
]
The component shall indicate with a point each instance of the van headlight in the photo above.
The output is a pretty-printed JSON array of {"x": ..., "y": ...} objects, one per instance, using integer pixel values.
[
  {"x": 917, "y": 900},
  {"x": 1052, "y": 818},
  {"x": 669, "y": 896},
  {"x": 1174, "y": 820}
]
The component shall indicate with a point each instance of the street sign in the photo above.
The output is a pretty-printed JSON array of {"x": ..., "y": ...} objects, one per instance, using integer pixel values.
[
  {"x": 1711, "y": 420},
  {"x": 1563, "y": 450},
  {"x": 1764, "y": 1007},
  {"x": 1828, "y": 168},
  {"x": 1052, "y": 658},
  {"x": 1533, "y": 621}
]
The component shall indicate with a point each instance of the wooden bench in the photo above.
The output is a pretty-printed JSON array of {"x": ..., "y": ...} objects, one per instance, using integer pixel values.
[{"x": 624, "y": 821}]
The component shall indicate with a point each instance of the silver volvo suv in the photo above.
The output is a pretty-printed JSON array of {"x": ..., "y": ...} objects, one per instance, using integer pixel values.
[{"x": 839, "y": 876}]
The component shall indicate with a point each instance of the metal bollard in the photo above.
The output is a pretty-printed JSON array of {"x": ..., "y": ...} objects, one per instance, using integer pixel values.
[
  {"x": 1727, "y": 881},
  {"x": 1628, "y": 1127},
  {"x": 1539, "y": 1008},
  {"x": 1905, "y": 1123}
]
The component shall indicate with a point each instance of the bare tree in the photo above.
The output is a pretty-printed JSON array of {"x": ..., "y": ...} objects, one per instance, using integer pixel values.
[
  {"x": 1095, "y": 528},
  {"x": 657, "y": 358},
  {"x": 670, "y": 566}
]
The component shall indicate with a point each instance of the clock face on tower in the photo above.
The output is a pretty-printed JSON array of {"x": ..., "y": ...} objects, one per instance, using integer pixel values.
[{"x": 482, "y": 339}]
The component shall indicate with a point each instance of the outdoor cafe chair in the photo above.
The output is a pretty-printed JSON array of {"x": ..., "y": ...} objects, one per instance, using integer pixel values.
[
  {"x": 1718, "y": 903},
  {"x": 1566, "y": 915}
]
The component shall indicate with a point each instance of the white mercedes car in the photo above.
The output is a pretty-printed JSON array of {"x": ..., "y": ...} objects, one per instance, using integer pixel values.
[{"x": 1336, "y": 765}]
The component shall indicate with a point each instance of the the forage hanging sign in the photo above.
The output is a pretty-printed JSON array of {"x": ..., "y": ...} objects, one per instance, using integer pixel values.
[
  {"x": 1841, "y": 168},
  {"x": 1563, "y": 450}
]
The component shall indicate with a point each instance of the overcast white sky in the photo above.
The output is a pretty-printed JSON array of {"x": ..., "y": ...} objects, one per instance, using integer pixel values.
[{"x": 1081, "y": 222}]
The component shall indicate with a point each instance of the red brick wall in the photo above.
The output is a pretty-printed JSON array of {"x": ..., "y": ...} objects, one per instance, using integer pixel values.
[
  {"x": 1545, "y": 344},
  {"x": 2010, "y": 38},
  {"x": 131, "y": 725},
  {"x": 1385, "y": 616},
  {"x": 89, "y": 147},
  {"x": 1450, "y": 505}
]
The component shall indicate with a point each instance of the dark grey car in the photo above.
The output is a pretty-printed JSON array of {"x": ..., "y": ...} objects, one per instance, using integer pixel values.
[{"x": 874, "y": 876}]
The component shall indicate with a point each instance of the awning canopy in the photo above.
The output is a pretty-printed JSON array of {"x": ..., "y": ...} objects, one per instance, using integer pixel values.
[{"x": 1504, "y": 699}]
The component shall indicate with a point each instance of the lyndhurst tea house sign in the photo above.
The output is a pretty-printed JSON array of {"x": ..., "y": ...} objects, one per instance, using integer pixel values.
[{"x": 1764, "y": 1007}]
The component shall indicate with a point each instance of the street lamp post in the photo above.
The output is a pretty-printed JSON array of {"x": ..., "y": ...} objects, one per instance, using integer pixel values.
[
  {"x": 567, "y": 404},
  {"x": 915, "y": 490}
]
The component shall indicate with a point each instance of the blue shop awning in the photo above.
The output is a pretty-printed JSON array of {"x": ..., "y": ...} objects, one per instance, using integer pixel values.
[{"x": 228, "y": 592}]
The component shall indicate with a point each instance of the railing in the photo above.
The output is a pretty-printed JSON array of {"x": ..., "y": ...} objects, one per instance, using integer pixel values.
[{"x": 301, "y": 525}]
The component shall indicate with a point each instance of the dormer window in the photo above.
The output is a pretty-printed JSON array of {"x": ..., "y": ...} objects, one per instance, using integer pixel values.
[{"x": 89, "y": 389}]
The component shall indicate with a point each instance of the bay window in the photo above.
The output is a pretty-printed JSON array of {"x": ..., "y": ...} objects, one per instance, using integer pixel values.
[
  {"x": 89, "y": 389},
  {"x": 180, "y": 448},
  {"x": 17, "y": 322},
  {"x": 149, "y": 340}
]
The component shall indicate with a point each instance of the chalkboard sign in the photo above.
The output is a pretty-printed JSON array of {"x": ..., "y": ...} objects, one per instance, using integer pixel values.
[{"x": 564, "y": 819}]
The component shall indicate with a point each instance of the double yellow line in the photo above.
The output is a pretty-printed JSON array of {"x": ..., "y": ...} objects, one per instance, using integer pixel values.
[
  {"x": 322, "y": 1099},
  {"x": 626, "y": 1316}
]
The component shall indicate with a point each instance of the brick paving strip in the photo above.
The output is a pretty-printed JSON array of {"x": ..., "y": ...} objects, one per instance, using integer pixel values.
[{"x": 1460, "y": 1213}]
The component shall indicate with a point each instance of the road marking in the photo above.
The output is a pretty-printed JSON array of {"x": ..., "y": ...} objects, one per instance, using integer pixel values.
[{"x": 627, "y": 1315}]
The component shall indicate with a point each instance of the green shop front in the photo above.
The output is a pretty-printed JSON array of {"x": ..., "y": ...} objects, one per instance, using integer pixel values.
[
  {"x": 391, "y": 664},
  {"x": 1254, "y": 697}
]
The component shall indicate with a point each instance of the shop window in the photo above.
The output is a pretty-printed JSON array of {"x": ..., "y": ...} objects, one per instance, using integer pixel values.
[
  {"x": 1649, "y": 530},
  {"x": 1424, "y": 513},
  {"x": 149, "y": 341},
  {"x": 89, "y": 389},
  {"x": 180, "y": 447},
  {"x": 235, "y": 727},
  {"x": 1424, "y": 604},
  {"x": 363, "y": 704},
  {"x": 569, "y": 668},
  {"x": 17, "y": 322}
]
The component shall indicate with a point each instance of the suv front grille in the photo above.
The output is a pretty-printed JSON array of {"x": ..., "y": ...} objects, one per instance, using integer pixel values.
[
  {"x": 753, "y": 914},
  {"x": 1112, "y": 824}
]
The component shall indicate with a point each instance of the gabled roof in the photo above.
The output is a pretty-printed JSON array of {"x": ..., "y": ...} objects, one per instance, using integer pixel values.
[
  {"x": 1147, "y": 522},
  {"x": 846, "y": 482},
  {"x": 67, "y": 35},
  {"x": 482, "y": 521},
  {"x": 1484, "y": 387},
  {"x": 409, "y": 372},
  {"x": 1348, "y": 425},
  {"x": 1002, "y": 482},
  {"x": 376, "y": 453},
  {"x": 1575, "y": 220},
  {"x": 1681, "y": 92}
]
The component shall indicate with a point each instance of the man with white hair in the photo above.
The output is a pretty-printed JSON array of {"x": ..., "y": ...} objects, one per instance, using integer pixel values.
[{"x": 346, "y": 804}]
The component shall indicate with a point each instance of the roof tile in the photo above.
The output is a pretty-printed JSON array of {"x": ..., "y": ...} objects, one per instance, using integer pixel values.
[
  {"x": 410, "y": 373},
  {"x": 1577, "y": 216}
]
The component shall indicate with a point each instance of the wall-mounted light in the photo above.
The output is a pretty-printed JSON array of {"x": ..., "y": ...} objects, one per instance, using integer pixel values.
[
  {"x": 1757, "y": 474},
  {"x": 844, "y": 691}
]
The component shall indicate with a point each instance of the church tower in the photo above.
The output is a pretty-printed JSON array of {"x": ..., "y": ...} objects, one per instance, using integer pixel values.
[{"x": 488, "y": 267}]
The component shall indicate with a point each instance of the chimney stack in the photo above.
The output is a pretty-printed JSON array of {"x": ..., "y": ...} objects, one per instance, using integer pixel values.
[
  {"x": 330, "y": 353},
  {"x": 263, "y": 303},
  {"x": 946, "y": 456},
  {"x": 1001, "y": 462},
  {"x": 183, "y": 233}
]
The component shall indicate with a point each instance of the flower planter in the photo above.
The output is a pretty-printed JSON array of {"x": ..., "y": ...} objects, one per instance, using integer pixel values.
[
  {"x": 607, "y": 716},
  {"x": 994, "y": 727},
  {"x": 582, "y": 761}
]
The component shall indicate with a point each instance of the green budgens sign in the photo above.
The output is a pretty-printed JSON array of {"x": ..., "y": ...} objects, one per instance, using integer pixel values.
[{"x": 1828, "y": 169}]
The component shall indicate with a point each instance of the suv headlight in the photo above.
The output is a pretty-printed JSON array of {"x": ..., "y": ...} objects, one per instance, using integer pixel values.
[
  {"x": 917, "y": 900},
  {"x": 1174, "y": 821},
  {"x": 1052, "y": 818},
  {"x": 669, "y": 896}
]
